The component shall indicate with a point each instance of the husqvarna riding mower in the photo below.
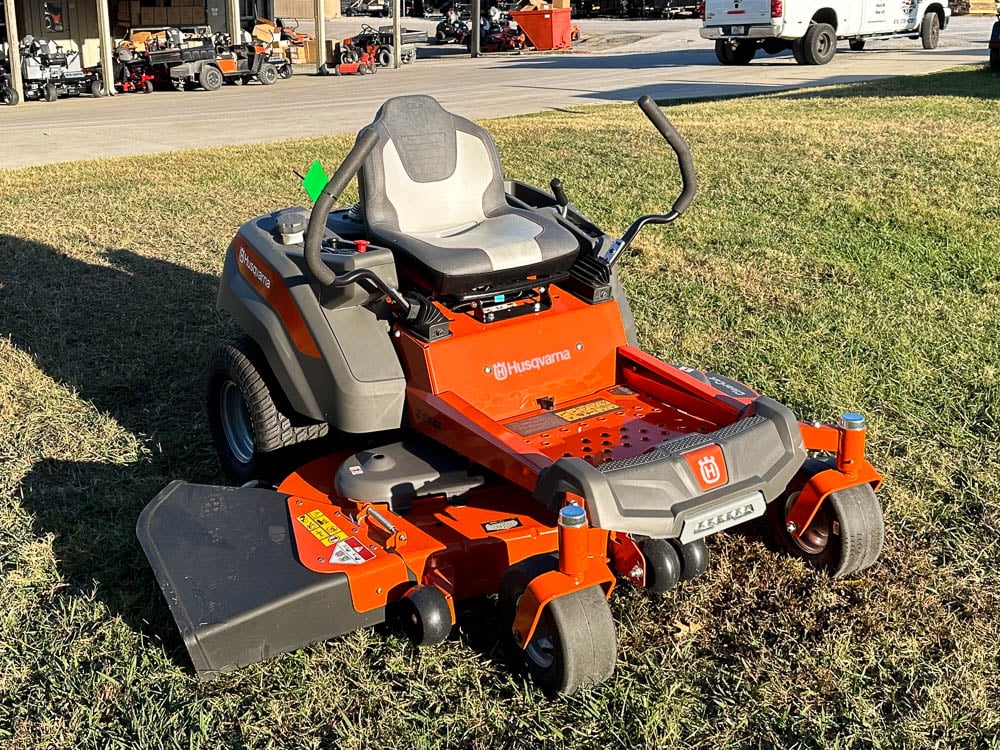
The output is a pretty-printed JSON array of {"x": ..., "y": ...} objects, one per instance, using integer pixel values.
[{"x": 466, "y": 339}]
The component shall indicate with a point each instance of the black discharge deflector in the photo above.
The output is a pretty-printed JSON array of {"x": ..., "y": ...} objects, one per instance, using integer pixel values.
[{"x": 225, "y": 560}]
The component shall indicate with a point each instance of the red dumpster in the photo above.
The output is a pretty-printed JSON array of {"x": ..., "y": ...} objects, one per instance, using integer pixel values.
[{"x": 545, "y": 29}]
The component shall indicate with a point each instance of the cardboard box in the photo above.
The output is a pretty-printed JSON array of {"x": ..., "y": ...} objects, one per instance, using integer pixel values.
[
  {"x": 159, "y": 16},
  {"x": 199, "y": 14},
  {"x": 135, "y": 8},
  {"x": 148, "y": 16},
  {"x": 187, "y": 16}
]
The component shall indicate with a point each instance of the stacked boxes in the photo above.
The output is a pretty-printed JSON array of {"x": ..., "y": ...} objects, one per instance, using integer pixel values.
[{"x": 161, "y": 12}]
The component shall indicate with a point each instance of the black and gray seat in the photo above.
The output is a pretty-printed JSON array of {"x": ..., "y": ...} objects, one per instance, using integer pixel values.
[{"x": 433, "y": 192}]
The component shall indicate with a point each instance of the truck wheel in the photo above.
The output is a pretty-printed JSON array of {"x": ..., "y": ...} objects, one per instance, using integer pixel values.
[
  {"x": 210, "y": 78},
  {"x": 856, "y": 45},
  {"x": 930, "y": 30},
  {"x": 246, "y": 424},
  {"x": 819, "y": 44},
  {"x": 774, "y": 46},
  {"x": 744, "y": 52},
  {"x": 384, "y": 57},
  {"x": 846, "y": 534},
  {"x": 9, "y": 96},
  {"x": 267, "y": 74},
  {"x": 723, "y": 51},
  {"x": 798, "y": 52},
  {"x": 574, "y": 644}
]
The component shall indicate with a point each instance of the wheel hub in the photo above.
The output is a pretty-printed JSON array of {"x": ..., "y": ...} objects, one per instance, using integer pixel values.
[{"x": 236, "y": 423}]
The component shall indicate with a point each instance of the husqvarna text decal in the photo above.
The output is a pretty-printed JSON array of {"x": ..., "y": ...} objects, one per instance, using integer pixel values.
[{"x": 504, "y": 369}]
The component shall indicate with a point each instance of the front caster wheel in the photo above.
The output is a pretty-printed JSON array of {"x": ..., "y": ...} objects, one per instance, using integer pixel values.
[
  {"x": 574, "y": 644},
  {"x": 425, "y": 615},
  {"x": 663, "y": 564},
  {"x": 694, "y": 558},
  {"x": 846, "y": 534}
]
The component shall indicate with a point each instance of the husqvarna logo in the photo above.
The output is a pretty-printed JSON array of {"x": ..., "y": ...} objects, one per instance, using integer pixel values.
[
  {"x": 504, "y": 369},
  {"x": 252, "y": 268},
  {"x": 709, "y": 469},
  {"x": 708, "y": 466}
]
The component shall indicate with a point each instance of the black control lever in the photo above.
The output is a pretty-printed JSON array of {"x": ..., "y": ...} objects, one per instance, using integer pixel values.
[
  {"x": 689, "y": 180},
  {"x": 560, "y": 194}
]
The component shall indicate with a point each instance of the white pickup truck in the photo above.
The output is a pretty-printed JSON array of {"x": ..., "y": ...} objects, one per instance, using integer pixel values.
[{"x": 811, "y": 28}]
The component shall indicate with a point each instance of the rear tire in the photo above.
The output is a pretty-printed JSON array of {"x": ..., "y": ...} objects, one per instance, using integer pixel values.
[
  {"x": 846, "y": 534},
  {"x": 798, "y": 51},
  {"x": 723, "y": 52},
  {"x": 285, "y": 72},
  {"x": 210, "y": 78},
  {"x": 819, "y": 44},
  {"x": 384, "y": 57},
  {"x": 930, "y": 30},
  {"x": 51, "y": 92},
  {"x": 744, "y": 52},
  {"x": 574, "y": 644},
  {"x": 246, "y": 424},
  {"x": 147, "y": 87},
  {"x": 9, "y": 96},
  {"x": 96, "y": 89},
  {"x": 268, "y": 74}
]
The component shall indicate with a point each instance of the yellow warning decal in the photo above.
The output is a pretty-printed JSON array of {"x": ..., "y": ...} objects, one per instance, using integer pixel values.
[
  {"x": 589, "y": 409},
  {"x": 322, "y": 527}
]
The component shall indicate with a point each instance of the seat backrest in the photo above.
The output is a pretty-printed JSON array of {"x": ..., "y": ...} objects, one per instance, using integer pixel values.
[{"x": 431, "y": 171}]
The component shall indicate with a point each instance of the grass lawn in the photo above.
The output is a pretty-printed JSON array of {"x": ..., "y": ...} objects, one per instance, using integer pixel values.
[{"x": 843, "y": 253}]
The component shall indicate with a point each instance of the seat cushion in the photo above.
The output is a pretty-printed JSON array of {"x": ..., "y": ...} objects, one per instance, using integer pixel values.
[{"x": 507, "y": 247}]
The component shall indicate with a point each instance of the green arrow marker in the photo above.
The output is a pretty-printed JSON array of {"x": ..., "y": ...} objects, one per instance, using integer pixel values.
[{"x": 315, "y": 180}]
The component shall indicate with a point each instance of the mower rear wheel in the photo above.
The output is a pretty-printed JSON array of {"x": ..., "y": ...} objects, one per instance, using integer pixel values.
[
  {"x": 96, "y": 89},
  {"x": 247, "y": 425},
  {"x": 147, "y": 87},
  {"x": 663, "y": 564},
  {"x": 210, "y": 78},
  {"x": 285, "y": 72},
  {"x": 9, "y": 95},
  {"x": 846, "y": 534},
  {"x": 267, "y": 74},
  {"x": 574, "y": 644}
]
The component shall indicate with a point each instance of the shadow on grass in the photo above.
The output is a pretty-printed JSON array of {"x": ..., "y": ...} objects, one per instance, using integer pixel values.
[{"x": 131, "y": 335}]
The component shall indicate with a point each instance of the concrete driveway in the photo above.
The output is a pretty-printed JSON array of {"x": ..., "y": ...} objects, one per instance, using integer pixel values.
[{"x": 666, "y": 59}]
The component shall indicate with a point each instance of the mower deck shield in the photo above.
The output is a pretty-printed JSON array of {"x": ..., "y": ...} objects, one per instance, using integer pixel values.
[{"x": 225, "y": 560}]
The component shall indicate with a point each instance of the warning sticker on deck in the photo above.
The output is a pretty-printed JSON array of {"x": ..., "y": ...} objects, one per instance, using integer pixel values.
[
  {"x": 589, "y": 409},
  {"x": 322, "y": 528},
  {"x": 351, "y": 552}
]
